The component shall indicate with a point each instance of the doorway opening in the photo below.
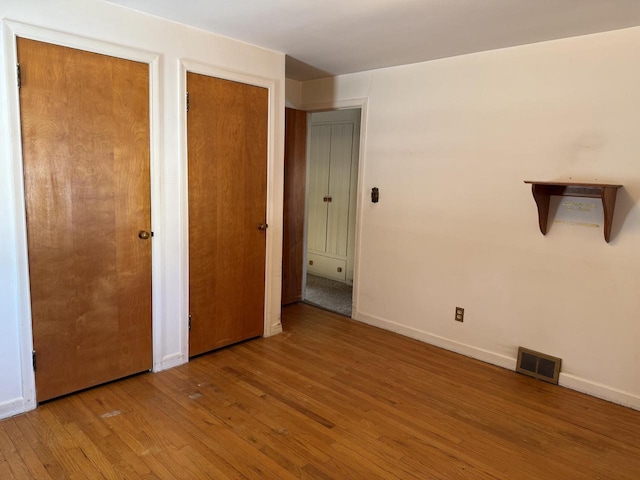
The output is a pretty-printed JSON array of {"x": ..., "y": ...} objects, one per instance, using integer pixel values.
[{"x": 333, "y": 141}]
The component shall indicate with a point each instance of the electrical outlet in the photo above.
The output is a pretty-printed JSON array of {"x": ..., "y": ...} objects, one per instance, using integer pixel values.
[{"x": 459, "y": 314}]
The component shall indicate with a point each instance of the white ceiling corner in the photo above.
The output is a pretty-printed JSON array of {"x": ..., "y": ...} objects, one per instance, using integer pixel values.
[{"x": 332, "y": 37}]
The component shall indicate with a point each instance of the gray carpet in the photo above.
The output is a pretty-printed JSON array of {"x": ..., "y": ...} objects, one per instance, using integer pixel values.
[{"x": 329, "y": 294}]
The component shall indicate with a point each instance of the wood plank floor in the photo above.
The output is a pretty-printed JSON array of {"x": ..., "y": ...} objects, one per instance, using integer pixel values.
[{"x": 329, "y": 398}]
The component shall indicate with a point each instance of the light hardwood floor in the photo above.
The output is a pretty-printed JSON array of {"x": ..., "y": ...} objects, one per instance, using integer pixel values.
[{"x": 329, "y": 398}]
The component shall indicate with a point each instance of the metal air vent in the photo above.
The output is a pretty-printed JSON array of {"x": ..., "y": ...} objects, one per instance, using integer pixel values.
[{"x": 538, "y": 365}]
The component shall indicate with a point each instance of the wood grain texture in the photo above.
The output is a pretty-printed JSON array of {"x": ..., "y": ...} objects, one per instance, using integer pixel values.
[
  {"x": 85, "y": 133},
  {"x": 330, "y": 398},
  {"x": 295, "y": 179},
  {"x": 227, "y": 127}
]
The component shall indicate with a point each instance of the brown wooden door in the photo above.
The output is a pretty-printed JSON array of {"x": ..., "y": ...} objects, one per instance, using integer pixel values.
[
  {"x": 227, "y": 127},
  {"x": 295, "y": 178},
  {"x": 85, "y": 134}
]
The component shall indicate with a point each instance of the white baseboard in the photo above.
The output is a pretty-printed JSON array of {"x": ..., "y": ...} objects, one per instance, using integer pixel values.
[
  {"x": 170, "y": 361},
  {"x": 438, "y": 341},
  {"x": 596, "y": 389},
  {"x": 13, "y": 407},
  {"x": 566, "y": 380},
  {"x": 274, "y": 329}
]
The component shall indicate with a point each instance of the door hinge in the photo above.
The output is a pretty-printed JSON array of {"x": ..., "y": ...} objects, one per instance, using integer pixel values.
[
  {"x": 189, "y": 322},
  {"x": 188, "y": 102},
  {"x": 33, "y": 360},
  {"x": 19, "y": 77}
]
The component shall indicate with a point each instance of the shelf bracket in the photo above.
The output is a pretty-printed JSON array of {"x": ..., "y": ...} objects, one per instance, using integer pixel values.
[
  {"x": 542, "y": 198},
  {"x": 542, "y": 192},
  {"x": 608, "y": 196}
]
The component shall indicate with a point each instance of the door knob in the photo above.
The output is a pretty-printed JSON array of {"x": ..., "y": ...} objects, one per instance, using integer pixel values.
[
  {"x": 262, "y": 226},
  {"x": 144, "y": 235}
]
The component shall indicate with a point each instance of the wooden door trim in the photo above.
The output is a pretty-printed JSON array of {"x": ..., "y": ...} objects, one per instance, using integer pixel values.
[
  {"x": 271, "y": 323},
  {"x": 12, "y": 136},
  {"x": 361, "y": 193}
]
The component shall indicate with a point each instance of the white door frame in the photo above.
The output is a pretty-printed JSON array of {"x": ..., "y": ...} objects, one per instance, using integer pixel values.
[
  {"x": 271, "y": 322},
  {"x": 10, "y": 31},
  {"x": 362, "y": 104}
]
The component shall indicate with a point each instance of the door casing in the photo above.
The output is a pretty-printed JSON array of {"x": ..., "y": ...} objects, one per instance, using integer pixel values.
[
  {"x": 11, "y": 30},
  {"x": 361, "y": 193},
  {"x": 87, "y": 185},
  {"x": 272, "y": 325}
]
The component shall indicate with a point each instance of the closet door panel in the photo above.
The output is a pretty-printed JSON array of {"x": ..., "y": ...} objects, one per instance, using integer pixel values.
[
  {"x": 319, "y": 152},
  {"x": 339, "y": 189}
]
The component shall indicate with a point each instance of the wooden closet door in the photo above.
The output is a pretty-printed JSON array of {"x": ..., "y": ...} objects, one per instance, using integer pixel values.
[
  {"x": 295, "y": 167},
  {"x": 85, "y": 135},
  {"x": 227, "y": 127}
]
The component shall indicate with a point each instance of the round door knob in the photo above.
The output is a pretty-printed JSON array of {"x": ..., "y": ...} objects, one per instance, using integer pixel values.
[
  {"x": 144, "y": 235},
  {"x": 262, "y": 226}
]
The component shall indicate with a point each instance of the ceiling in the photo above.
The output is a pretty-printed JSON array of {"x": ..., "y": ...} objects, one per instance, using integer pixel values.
[{"x": 331, "y": 37}]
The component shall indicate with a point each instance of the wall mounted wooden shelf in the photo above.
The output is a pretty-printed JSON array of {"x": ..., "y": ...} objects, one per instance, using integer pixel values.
[{"x": 542, "y": 192}]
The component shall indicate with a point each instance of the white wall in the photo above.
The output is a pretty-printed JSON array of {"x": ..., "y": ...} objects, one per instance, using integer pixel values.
[
  {"x": 449, "y": 143},
  {"x": 293, "y": 90},
  {"x": 95, "y": 24}
]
